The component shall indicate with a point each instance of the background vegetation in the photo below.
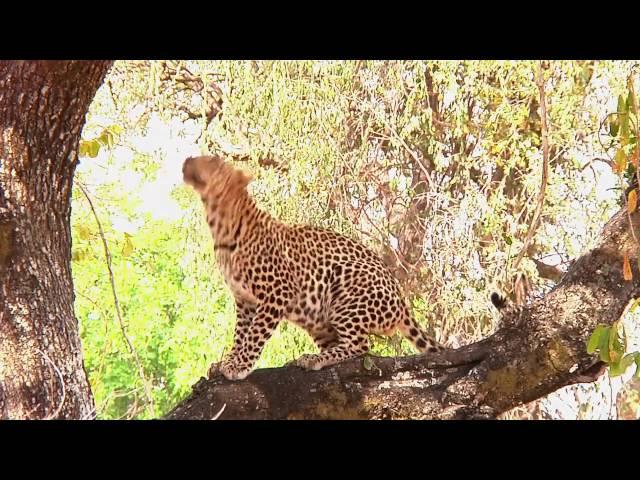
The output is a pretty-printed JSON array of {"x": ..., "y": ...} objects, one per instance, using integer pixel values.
[{"x": 436, "y": 165}]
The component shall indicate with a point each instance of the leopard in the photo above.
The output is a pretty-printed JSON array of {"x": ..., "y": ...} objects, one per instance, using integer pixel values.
[{"x": 332, "y": 286}]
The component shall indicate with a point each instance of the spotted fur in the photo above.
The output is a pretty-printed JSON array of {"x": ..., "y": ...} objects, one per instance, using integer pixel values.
[{"x": 339, "y": 291}]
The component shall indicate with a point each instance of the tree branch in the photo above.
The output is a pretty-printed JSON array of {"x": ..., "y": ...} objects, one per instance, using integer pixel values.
[
  {"x": 537, "y": 351},
  {"x": 132, "y": 350}
]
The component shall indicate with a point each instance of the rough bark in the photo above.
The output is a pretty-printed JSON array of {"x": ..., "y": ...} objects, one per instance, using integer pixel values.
[
  {"x": 533, "y": 354},
  {"x": 42, "y": 111}
]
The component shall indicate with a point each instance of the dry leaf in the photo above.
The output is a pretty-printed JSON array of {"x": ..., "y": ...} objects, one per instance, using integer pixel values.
[
  {"x": 620, "y": 161},
  {"x": 626, "y": 268},
  {"x": 632, "y": 201}
]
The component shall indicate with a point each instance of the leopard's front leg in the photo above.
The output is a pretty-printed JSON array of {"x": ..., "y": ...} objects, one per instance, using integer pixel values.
[
  {"x": 245, "y": 312},
  {"x": 250, "y": 340}
]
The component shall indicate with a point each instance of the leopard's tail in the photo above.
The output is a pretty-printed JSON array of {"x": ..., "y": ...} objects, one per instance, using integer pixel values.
[
  {"x": 504, "y": 305},
  {"x": 510, "y": 311},
  {"x": 499, "y": 301},
  {"x": 423, "y": 342}
]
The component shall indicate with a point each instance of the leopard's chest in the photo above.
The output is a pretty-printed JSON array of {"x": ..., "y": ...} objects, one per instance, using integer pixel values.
[{"x": 237, "y": 282}]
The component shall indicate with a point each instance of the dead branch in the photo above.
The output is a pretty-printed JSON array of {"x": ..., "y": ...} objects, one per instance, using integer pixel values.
[{"x": 535, "y": 220}]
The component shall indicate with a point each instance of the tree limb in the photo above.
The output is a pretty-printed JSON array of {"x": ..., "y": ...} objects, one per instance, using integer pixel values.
[{"x": 538, "y": 350}]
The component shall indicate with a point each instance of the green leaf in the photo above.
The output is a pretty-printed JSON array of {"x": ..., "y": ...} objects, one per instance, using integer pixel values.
[
  {"x": 84, "y": 149},
  {"x": 622, "y": 105},
  {"x": 107, "y": 138},
  {"x": 594, "y": 340},
  {"x": 104, "y": 139},
  {"x": 617, "y": 369},
  {"x": 604, "y": 352},
  {"x": 128, "y": 246},
  {"x": 78, "y": 255},
  {"x": 115, "y": 129},
  {"x": 616, "y": 342},
  {"x": 637, "y": 360},
  {"x": 630, "y": 102},
  {"x": 603, "y": 345},
  {"x": 628, "y": 359},
  {"x": 83, "y": 232},
  {"x": 624, "y": 129},
  {"x": 614, "y": 127},
  {"x": 93, "y": 148}
]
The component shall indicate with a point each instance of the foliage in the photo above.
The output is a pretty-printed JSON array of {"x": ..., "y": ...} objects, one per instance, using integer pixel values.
[
  {"x": 610, "y": 342},
  {"x": 436, "y": 165}
]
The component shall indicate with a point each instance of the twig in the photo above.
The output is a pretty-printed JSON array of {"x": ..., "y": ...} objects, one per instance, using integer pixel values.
[
  {"x": 90, "y": 415},
  {"x": 132, "y": 350},
  {"x": 217, "y": 415},
  {"x": 533, "y": 226},
  {"x": 411, "y": 153},
  {"x": 612, "y": 401},
  {"x": 57, "y": 370},
  {"x": 603, "y": 160}
]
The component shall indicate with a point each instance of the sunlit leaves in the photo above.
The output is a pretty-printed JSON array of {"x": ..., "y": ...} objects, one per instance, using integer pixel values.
[
  {"x": 618, "y": 368},
  {"x": 83, "y": 232},
  {"x": 108, "y": 138},
  {"x": 127, "y": 249},
  {"x": 341, "y": 128},
  {"x": 599, "y": 339},
  {"x": 620, "y": 160},
  {"x": 89, "y": 148},
  {"x": 610, "y": 342}
]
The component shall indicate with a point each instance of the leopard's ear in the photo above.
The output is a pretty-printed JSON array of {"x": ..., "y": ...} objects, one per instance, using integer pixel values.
[
  {"x": 247, "y": 178},
  {"x": 241, "y": 179},
  {"x": 190, "y": 173}
]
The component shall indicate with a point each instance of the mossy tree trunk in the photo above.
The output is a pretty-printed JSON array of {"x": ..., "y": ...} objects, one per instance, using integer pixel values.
[{"x": 43, "y": 105}]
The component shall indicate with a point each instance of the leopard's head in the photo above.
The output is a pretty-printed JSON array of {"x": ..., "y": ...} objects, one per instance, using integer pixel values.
[{"x": 212, "y": 176}]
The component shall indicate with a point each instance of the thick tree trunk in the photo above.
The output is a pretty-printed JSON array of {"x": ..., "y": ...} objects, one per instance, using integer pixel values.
[
  {"x": 42, "y": 111},
  {"x": 533, "y": 354}
]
